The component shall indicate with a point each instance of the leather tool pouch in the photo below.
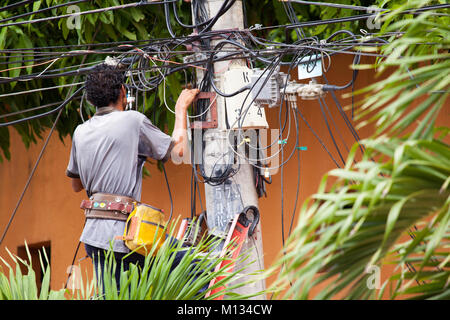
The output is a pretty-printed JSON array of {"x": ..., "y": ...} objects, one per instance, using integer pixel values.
[
  {"x": 145, "y": 228},
  {"x": 108, "y": 206}
]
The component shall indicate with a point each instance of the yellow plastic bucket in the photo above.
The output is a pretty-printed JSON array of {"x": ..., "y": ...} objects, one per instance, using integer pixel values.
[{"x": 144, "y": 227}]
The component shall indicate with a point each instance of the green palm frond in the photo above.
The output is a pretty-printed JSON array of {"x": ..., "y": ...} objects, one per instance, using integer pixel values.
[
  {"x": 16, "y": 285},
  {"x": 418, "y": 57},
  {"x": 398, "y": 191},
  {"x": 159, "y": 279},
  {"x": 357, "y": 223}
]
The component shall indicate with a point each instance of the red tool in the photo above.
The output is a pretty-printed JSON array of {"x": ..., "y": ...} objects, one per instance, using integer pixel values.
[{"x": 239, "y": 228}]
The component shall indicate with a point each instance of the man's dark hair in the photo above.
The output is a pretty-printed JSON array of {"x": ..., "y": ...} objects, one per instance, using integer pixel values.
[{"x": 103, "y": 85}]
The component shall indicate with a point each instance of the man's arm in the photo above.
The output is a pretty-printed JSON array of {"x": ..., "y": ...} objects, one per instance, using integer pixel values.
[
  {"x": 179, "y": 134},
  {"x": 72, "y": 169},
  {"x": 77, "y": 186}
]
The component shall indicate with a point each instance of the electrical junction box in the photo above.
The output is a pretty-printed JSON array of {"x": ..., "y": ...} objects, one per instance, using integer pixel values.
[
  {"x": 310, "y": 67},
  {"x": 242, "y": 112},
  {"x": 265, "y": 88}
]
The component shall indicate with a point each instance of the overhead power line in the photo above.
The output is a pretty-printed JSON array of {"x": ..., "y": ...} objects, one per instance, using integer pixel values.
[
  {"x": 59, "y": 109},
  {"x": 34, "y": 108},
  {"x": 371, "y": 9},
  {"x": 353, "y": 18},
  {"x": 43, "y": 10},
  {"x": 123, "y": 6},
  {"x": 15, "y": 5},
  {"x": 337, "y": 5},
  {"x": 40, "y": 89}
]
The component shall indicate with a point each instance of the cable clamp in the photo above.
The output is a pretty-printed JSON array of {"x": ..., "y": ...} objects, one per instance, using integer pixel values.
[
  {"x": 256, "y": 26},
  {"x": 111, "y": 61},
  {"x": 311, "y": 91},
  {"x": 130, "y": 101},
  {"x": 266, "y": 173},
  {"x": 245, "y": 140},
  {"x": 283, "y": 141},
  {"x": 303, "y": 148},
  {"x": 366, "y": 36}
]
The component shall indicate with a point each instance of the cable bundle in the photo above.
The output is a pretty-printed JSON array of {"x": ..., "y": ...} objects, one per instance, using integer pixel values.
[{"x": 148, "y": 63}]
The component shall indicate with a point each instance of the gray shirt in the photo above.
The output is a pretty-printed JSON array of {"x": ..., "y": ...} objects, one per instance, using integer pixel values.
[{"x": 108, "y": 154}]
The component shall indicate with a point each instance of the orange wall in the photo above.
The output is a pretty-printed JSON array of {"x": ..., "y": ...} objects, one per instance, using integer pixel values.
[{"x": 50, "y": 210}]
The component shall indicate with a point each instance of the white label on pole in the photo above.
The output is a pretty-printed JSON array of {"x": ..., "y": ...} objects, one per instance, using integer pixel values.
[
  {"x": 310, "y": 67},
  {"x": 241, "y": 111}
]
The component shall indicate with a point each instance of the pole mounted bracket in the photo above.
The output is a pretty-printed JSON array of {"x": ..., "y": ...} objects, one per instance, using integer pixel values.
[{"x": 212, "y": 113}]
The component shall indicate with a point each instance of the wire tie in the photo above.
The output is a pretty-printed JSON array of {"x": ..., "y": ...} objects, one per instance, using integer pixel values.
[
  {"x": 244, "y": 140},
  {"x": 256, "y": 26},
  {"x": 284, "y": 141},
  {"x": 303, "y": 148}
]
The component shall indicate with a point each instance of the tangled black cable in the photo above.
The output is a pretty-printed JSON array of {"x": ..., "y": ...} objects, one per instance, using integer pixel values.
[{"x": 149, "y": 62}]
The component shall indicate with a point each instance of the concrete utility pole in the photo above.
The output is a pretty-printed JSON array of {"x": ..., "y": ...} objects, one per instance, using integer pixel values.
[{"x": 225, "y": 200}]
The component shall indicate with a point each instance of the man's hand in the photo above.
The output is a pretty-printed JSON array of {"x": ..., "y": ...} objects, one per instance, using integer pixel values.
[
  {"x": 179, "y": 136},
  {"x": 185, "y": 99}
]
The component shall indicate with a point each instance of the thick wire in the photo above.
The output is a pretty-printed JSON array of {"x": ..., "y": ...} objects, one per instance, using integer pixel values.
[
  {"x": 41, "y": 153},
  {"x": 112, "y": 8}
]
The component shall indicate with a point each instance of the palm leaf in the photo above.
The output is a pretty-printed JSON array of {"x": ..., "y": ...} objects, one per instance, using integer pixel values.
[
  {"x": 402, "y": 181},
  {"x": 335, "y": 240},
  {"x": 161, "y": 279},
  {"x": 419, "y": 58}
]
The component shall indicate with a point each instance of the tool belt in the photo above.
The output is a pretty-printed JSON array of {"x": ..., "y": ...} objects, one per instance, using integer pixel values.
[
  {"x": 144, "y": 225},
  {"x": 108, "y": 206}
]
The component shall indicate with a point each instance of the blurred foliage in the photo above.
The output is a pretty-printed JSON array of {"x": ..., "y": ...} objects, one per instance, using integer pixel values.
[
  {"x": 358, "y": 220},
  {"x": 171, "y": 271},
  {"x": 145, "y": 22}
]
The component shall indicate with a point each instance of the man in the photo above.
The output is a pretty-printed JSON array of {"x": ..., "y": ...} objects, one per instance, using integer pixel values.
[{"x": 107, "y": 157}]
